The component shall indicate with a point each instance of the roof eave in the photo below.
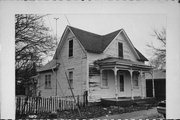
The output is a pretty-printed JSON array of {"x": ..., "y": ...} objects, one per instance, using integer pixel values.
[{"x": 142, "y": 60}]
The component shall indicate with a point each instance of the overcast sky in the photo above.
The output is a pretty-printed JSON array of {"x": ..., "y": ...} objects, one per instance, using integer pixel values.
[{"x": 139, "y": 27}]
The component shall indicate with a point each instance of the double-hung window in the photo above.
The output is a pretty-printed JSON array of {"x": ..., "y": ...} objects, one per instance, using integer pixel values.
[
  {"x": 47, "y": 81},
  {"x": 71, "y": 79},
  {"x": 136, "y": 81},
  {"x": 120, "y": 50}
]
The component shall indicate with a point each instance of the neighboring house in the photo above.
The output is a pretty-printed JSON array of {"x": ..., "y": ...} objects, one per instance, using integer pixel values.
[
  {"x": 104, "y": 66},
  {"x": 159, "y": 84}
]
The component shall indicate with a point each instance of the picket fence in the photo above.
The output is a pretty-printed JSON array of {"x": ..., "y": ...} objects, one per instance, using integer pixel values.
[{"x": 26, "y": 105}]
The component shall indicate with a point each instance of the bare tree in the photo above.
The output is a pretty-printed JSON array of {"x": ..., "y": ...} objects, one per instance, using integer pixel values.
[
  {"x": 159, "y": 52},
  {"x": 33, "y": 43}
]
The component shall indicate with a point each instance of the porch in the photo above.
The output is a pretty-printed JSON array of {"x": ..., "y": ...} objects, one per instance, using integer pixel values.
[
  {"x": 127, "y": 101},
  {"x": 123, "y": 78}
]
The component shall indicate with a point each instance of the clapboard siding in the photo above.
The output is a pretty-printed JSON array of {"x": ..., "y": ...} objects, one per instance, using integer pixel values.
[
  {"x": 112, "y": 50},
  {"x": 77, "y": 64},
  {"x": 95, "y": 91}
]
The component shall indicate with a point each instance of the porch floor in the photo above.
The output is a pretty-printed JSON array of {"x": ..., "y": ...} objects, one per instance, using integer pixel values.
[{"x": 127, "y": 101}]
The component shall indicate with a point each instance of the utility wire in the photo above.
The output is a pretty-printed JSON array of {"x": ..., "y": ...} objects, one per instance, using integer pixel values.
[
  {"x": 56, "y": 55},
  {"x": 50, "y": 24},
  {"x": 67, "y": 19}
]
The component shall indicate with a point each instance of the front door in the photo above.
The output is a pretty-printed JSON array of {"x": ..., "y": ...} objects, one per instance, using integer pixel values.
[{"x": 121, "y": 82}]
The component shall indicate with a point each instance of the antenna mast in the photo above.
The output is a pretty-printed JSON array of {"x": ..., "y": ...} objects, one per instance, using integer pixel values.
[{"x": 56, "y": 55}]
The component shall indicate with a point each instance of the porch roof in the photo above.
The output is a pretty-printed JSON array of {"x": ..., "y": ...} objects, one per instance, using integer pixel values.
[
  {"x": 49, "y": 66},
  {"x": 122, "y": 63}
]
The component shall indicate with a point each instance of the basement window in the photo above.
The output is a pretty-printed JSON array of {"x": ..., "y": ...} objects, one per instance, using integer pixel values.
[
  {"x": 70, "y": 48},
  {"x": 47, "y": 81}
]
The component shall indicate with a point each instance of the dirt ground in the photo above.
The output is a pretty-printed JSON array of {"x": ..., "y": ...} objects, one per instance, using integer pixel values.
[{"x": 142, "y": 114}]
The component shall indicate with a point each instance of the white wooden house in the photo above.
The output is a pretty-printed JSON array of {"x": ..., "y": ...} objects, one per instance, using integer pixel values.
[{"x": 106, "y": 66}]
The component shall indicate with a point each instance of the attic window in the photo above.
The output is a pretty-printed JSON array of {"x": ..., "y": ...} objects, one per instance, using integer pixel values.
[
  {"x": 70, "y": 48},
  {"x": 120, "y": 50}
]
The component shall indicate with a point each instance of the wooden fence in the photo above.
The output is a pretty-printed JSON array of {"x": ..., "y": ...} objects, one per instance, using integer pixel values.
[{"x": 26, "y": 105}]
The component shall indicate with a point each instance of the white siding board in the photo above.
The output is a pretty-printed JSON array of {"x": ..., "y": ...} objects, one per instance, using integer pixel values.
[
  {"x": 77, "y": 63},
  {"x": 112, "y": 48}
]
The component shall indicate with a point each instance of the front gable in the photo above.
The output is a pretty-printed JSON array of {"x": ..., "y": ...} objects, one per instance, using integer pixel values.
[
  {"x": 128, "y": 49},
  {"x": 63, "y": 44}
]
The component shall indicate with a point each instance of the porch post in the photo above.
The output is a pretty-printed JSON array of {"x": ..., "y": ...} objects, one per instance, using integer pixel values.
[
  {"x": 131, "y": 73},
  {"x": 116, "y": 87},
  {"x": 153, "y": 83},
  {"x": 141, "y": 73}
]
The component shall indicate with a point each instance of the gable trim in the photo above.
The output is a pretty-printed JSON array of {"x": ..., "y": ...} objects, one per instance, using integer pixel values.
[
  {"x": 127, "y": 40},
  {"x": 111, "y": 42},
  {"x": 85, "y": 52},
  {"x": 131, "y": 44},
  {"x": 59, "y": 47}
]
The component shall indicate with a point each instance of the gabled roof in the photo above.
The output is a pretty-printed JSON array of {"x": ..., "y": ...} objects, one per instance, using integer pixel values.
[
  {"x": 92, "y": 43},
  {"x": 95, "y": 43}
]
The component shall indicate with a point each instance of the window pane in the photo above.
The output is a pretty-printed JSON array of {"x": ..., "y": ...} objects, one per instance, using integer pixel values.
[
  {"x": 71, "y": 75},
  {"x": 47, "y": 81},
  {"x": 71, "y": 83},
  {"x": 70, "y": 48},
  {"x": 120, "y": 49},
  {"x": 71, "y": 79}
]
